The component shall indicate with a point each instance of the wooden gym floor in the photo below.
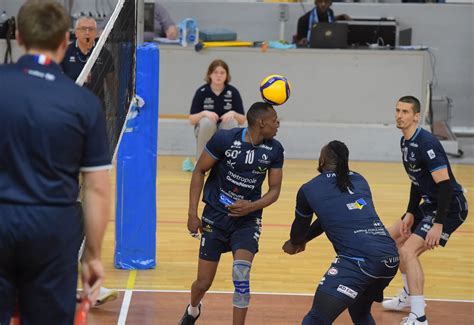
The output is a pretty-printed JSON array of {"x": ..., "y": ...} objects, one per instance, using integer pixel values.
[{"x": 283, "y": 285}]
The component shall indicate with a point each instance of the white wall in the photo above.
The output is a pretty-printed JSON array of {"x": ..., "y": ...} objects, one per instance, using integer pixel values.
[{"x": 446, "y": 28}]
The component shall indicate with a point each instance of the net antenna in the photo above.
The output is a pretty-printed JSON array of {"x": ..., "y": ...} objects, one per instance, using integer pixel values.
[{"x": 110, "y": 69}]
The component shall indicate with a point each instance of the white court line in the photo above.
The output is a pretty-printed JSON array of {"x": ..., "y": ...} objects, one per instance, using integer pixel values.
[
  {"x": 125, "y": 305},
  {"x": 276, "y": 294},
  {"x": 127, "y": 297}
]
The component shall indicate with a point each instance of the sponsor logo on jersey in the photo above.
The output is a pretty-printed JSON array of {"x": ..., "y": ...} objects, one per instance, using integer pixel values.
[
  {"x": 359, "y": 204},
  {"x": 230, "y": 163},
  {"x": 412, "y": 168},
  {"x": 413, "y": 144},
  {"x": 225, "y": 200},
  {"x": 431, "y": 154},
  {"x": 333, "y": 271},
  {"x": 347, "y": 291},
  {"x": 260, "y": 170},
  {"x": 237, "y": 144},
  {"x": 228, "y": 94},
  {"x": 264, "y": 146}
]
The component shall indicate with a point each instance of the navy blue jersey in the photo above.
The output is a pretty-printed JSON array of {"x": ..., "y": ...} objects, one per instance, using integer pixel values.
[
  {"x": 348, "y": 218},
  {"x": 228, "y": 100},
  {"x": 74, "y": 61},
  {"x": 240, "y": 171},
  {"x": 422, "y": 155},
  {"x": 49, "y": 129}
]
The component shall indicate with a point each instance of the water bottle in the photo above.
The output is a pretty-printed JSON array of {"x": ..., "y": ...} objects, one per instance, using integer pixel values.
[{"x": 188, "y": 32}]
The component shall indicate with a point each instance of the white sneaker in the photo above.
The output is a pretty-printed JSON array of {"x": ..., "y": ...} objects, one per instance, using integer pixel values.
[
  {"x": 105, "y": 295},
  {"x": 413, "y": 320},
  {"x": 400, "y": 301}
]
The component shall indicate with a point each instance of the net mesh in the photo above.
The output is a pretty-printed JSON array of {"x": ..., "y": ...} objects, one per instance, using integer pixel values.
[{"x": 110, "y": 71}]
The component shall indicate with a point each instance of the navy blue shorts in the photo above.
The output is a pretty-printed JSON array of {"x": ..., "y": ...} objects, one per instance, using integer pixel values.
[
  {"x": 38, "y": 262},
  {"x": 242, "y": 235},
  {"x": 348, "y": 279},
  {"x": 426, "y": 213}
]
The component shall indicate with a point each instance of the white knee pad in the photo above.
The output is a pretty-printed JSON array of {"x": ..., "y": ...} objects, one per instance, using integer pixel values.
[{"x": 241, "y": 277}]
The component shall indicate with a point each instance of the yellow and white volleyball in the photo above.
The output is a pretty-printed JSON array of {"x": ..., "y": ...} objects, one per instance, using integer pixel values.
[{"x": 275, "y": 89}]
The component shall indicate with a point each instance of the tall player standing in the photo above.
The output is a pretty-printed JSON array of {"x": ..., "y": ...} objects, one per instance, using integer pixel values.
[
  {"x": 239, "y": 160},
  {"x": 429, "y": 225}
]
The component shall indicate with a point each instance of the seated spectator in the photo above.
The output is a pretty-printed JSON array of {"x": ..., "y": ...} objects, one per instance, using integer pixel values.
[
  {"x": 321, "y": 13},
  {"x": 216, "y": 105},
  {"x": 164, "y": 25}
]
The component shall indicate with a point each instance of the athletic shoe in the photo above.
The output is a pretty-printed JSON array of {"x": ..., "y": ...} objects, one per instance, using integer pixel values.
[
  {"x": 400, "y": 301},
  {"x": 105, "y": 295},
  {"x": 188, "y": 319},
  {"x": 412, "y": 319}
]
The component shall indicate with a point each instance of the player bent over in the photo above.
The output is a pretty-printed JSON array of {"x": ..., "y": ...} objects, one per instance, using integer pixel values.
[{"x": 367, "y": 258}]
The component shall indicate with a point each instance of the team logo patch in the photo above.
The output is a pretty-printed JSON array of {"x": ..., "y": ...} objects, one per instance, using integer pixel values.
[
  {"x": 431, "y": 154},
  {"x": 347, "y": 291},
  {"x": 333, "y": 271},
  {"x": 359, "y": 204}
]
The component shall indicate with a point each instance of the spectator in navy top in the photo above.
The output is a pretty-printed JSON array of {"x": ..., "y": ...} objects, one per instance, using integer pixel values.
[
  {"x": 321, "y": 13},
  {"x": 51, "y": 131},
  {"x": 427, "y": 225},
  {"x": 239, "y": 161},
  {"x": 367, "y": 258},
  {"x": 216, "y": 105}
]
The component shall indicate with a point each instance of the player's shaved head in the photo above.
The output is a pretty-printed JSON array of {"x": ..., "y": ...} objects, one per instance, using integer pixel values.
[{"x": 259, "y": 111}]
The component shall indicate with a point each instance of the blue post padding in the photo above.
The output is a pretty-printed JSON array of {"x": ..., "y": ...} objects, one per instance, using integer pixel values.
[{"x": 135, "y": 224}]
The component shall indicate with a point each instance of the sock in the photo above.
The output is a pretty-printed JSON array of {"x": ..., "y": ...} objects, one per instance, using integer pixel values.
[
  {"x": 418, "y": 305},
  {"x": 405, "y": 283},
  {"x": 193, "y": 311}
]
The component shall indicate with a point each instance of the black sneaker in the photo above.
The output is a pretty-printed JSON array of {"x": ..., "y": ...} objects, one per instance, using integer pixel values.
[{"x": 188, "y": 319}]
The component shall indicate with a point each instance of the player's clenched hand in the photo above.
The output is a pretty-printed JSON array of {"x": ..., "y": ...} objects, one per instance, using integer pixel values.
[
  {"x": 405, "y": 225},
  {"x": 433, "y": 236},
  {"x": 194, "y": 224},
  {"x": 240, "y": 208},
  {"x": 291, "y": 249},
  {"x": 92, "y": 274}
]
